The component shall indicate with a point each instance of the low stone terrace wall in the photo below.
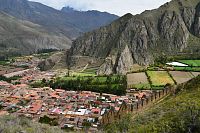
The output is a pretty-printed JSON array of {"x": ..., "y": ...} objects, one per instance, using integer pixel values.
[{"x": 112, "y": 116}]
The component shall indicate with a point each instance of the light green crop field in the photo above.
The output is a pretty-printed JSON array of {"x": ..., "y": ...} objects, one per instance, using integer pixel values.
[
  {"x": 191, "y": 69},
  {"x": 141, "y": 86},
  {"x": 159, "y": 78},
  {"x": 195, "y": 63}
]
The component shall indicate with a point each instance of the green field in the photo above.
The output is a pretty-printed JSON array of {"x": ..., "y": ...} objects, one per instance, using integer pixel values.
[
  {"x": 159, "y": 78},
  {"x": 4, "y": 63},
  {"x": 194, "y": 69},
  {"x": 83, "y": 74},
  {"x": 141, "y": 86},
  {"x": 194, "y": 63}
]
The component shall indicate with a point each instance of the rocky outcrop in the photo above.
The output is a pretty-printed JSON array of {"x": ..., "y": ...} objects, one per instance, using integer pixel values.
[
  {"x": 165, "y": 30},
  {"x": 125, "y": 61},
  {"x": 106, "y": 68},
  {"x": 50, "y": 62}
]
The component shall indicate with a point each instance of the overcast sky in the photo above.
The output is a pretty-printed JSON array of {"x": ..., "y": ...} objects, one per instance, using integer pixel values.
[{"x": 118, "y": 7}]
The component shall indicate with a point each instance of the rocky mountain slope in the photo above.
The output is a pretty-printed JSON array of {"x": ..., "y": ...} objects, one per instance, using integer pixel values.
[
  {"x": 32, "y": 26},
  {"x": 22, "y": 37},
  {"x": 172, "y": 29},
  {"x": 53, "y": 20}
]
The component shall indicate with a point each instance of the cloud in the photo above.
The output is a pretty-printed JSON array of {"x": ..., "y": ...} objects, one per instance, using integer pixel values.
[{"x": 119, "y": 7}]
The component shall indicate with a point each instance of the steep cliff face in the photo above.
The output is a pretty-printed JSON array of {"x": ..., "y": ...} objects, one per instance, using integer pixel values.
[{"x": 165, "y": 30}]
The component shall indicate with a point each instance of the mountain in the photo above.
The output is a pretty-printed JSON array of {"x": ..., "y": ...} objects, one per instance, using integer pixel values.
[
  {"x": 53, "y": 20},
  {"x": 23, "y": 37},
  {"x": 88, "y": 20},
  {"x": 172, "y": 29},
  {"x": 27, "y": 27},
  {"x": 177, "y": 113}
]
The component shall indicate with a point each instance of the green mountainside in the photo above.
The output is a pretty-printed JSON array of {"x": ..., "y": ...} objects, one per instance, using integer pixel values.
[
  {"x": 22, "y": 37},
  {"x": 26, "y": 26},
  {"x": 178, "y": 113},
  {"x": 13, "y": 124}
]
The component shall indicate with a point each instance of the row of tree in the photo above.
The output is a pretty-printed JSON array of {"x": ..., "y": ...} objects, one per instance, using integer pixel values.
[{"x": 115, "y": 86}]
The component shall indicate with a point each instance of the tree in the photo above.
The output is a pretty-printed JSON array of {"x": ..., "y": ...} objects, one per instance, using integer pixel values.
[{"x": 86, "y": 124}]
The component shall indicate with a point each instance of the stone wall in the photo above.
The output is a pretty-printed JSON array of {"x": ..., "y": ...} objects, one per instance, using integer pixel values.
[{"x": 112, "y": 115}]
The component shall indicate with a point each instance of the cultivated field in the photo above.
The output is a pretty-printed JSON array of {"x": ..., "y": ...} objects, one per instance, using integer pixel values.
[
  {"x": 195, "y": 63},
  {"x": 159, "y": 78},
  {"x": 138, "y": 80},
  {"x": 181, "y": 77},
  {"x": 195, "y": 74},
  {"x": 191, "y": 69}
]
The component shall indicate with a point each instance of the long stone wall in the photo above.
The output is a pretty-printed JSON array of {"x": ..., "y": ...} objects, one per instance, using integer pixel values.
[{"x": 112, "y": 116}]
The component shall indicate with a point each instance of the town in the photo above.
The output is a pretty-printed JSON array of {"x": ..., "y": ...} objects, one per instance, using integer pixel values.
[
  {"x": 70, "y": 109},
  {"x": 75, "y": 109}
]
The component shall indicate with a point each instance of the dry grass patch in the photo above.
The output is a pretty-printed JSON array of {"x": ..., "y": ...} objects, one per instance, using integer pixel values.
[
  {"x": 181, "y": 77},
  {"x": 137, "y": 80}
]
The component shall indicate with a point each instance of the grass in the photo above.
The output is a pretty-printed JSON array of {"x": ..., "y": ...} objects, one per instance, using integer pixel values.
[
  {"x": 4, "y": 63},
  {"x": 194, "y": 63},
  {"x": 178, "y": 112},
  {"x": 159, "y": 78},
  {"x": 13, "y": 124},
  {"x": 82, "y": 74},
  {"x": 85, "y": 73},
  {"x": 193, "y": 69},
  {"x": 141, "y": 86}
]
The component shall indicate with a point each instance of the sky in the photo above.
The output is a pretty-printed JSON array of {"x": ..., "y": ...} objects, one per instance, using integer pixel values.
[{"x": 118, "y": 7}]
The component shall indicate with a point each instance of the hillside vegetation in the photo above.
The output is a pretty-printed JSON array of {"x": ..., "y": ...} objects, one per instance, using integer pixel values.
[
  {"x": 22, "y": 37},
  {"x": 13, "y": 124},
  {"x": 179, "y": 113}
]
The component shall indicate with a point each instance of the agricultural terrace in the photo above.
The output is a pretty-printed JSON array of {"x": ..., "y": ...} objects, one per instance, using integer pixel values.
[
  {"x": 85, "y": 73},
  {"x": 191, "y": 69},
  {"x": 194, "y": 63},
  {"x": 159, "y": 78},
  {"x": 138, "y": 80},
  {"x": 181, "y": 77},
  {"x": 195, "y": 74}
]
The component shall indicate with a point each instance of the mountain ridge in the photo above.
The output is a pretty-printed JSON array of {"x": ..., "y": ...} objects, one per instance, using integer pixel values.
[
  {"x": 59, "y": 26},
  {"x": 22, "y": 37},
  {"x": 163, "y": 31}
]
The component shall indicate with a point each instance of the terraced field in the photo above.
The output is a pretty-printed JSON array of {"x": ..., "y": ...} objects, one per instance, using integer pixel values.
[
  {"x": 138, "y": 80},
  {"x": 194, "y": 63},
  {"x": 195, "y": 74},
  {"x": 181, "y": 77},
  {"x": 191, "y": 69},
  {"x": 159, "y": 78}
]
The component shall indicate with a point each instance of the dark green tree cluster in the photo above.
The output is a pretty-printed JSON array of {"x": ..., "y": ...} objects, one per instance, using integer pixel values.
[
  {"x": 47, "y": 120},
  {"x": 116, "y": 85},
  {"x": 46, "y": 51},
  {"x": 3, "y": 78}
]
